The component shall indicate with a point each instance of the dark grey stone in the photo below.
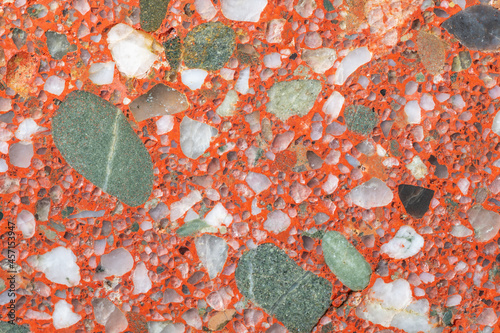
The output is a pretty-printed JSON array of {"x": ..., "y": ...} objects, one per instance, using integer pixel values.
[
  {"x": 42, "y": 209},
  {"x": 476, "y": 27},
  {"x": 58, "y": 44},
  {"x": 415, "y": 199}
]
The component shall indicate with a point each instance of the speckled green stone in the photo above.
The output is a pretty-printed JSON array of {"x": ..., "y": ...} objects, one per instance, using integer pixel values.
[
  {"x": 360, "y": 119},
  {"x": 6, "y": 327},
  {"x": 273, "y": 281},
  {"x": 293, "y": 98},
  {"x": 173, "y": 51},
  {"x": 209, "y": 46},
  {"x": 152, "y": 13},
  {"x": 348, "y": 265},
  {"x": 95, "y": 138},
  {"x": 58, "y": 44}
]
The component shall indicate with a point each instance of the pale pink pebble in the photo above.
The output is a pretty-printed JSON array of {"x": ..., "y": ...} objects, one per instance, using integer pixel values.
[
  {"x": 494, "y": 92},
  {"x": 299, "y": 192},
  {"x": 305, "y": 8},
  {"x": 292, "y": 212},
  {"x": 313, "y": 40},
  {"x": 252, "y": 317},
  {"x": 42, "y": 289},
  {"x": 463, "y": 184},
  {"x": 333, "y": 157},
  {"x": 5, "y": 104},
  {"x": 487, "y": 317},
  {"x": 494, "y": 187},
  {"x": 418, "y": 133},
  {"x": 276, "y": 328},
  {"x": 171, "y": 296},
  {"x": 117, "y": 322},
  {"x": 37, "y": 315},
  {"x": 274, "y": 29},
  {"x": 282, "y": 141},
  {"x": 330, "y": 184},
  {"x": 192, "y": 318}
]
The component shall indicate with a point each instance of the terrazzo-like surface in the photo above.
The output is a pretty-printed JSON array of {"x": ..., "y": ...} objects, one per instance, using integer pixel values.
[{"x": 371, "y": 122}]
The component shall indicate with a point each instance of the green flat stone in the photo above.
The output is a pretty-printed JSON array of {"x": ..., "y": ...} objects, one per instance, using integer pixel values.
[
  {"x": 152, "y": 14},
  {"x": 209, "y": 46},
  {"x": 6, "y": 327},
  {"x": 274, "y": 282},
  {"x": 348, "y": 265},
  {"x": 360, "y": 119},
  {"x": 95, "y": 138}
]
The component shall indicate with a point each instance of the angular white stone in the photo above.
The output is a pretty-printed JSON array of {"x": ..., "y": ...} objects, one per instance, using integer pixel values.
[
  {"x": 415, "y": 317},
  {"x": 412, "y": 110},
  {"x": 417, "y": 168},
  {"x": 102, "y": 72},
  {"x": 193, "y": 78},
  {"x": 272, "y": 60},
  {"x": 141, "y": 280},
  {"x": 179, "y": 208},
  {"x": 82, "y": 6},
  {"x": 58, "y": 265},
  {"x": 460, "y": 231},
  {"x": 165, "y": 124},
  {"x": 333, "y": 105},
  {"x": 320, "y": 60},
  {"x": 26, "y": 129},
  {"x": 373, "y": 193},
  {"x": 133, "y": 51},
  {"x": 427, "y": 102},
  {"x": 3, "y": 165},
  {"x": 54, "y": 85},
  {"x": 205, "y": 8},
  {"x": 117, "y": 263},
  {"x": 64, "y": 316},
  {"x": 331, "y": 184},
  {"x": 258, "y": 182},
  {"x": 406, "y": 243},
  {"x": 241, "y": 85},
  {"x": 218, "y": 216},
  {"x": 352, "y": 61},
  {"x": 195, "y": 137},
  {"x": 26, "y": 223},
  {"x": 228, "y": 106},
  {"x": 495, "y": 126},
  {"x": 486, "y": 223},
  {"x": 277, "y": 221},
  {"x": 212, "y": 252},
  {"x": 243, "y": 10}
]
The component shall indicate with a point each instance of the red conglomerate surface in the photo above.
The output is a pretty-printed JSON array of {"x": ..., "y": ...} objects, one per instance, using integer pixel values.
[{"x": 455, "y": 133}]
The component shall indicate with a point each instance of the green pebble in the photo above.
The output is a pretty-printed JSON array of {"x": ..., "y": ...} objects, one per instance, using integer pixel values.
[
  {"x": 152, "y": 14},
  {"x": 191, "y": 227},
  {"x": 360, "y": 119},
  {"x": 348, "y": 265},
  {"x": 293, "y": 98},
  {"x": 58, "y": 44},
  {"x": 96, "y": 140},
  {"x": 209, "y": 46},
  {"x": 173, "y": 50},
  {"x": 271, "y": 280}
]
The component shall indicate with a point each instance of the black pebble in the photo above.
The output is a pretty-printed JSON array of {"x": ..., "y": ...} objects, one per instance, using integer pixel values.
[{"x": 415, "y": 199}]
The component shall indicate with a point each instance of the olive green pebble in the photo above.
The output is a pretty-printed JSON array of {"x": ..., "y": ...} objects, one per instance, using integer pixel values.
[
  {"x": 96, "y": 140},
  {"x": 348, "y": 265},
  {"x": 173, "y": 51},
  {"x": 360, "y": 119},
  {"x": 273, "y": 281},
  {"x": 209, "y": 46},
  {"x": 152, "y": 14},
  {"x": 292, "y": 98}
]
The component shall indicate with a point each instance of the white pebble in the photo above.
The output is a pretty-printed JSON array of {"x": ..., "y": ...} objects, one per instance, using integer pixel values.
[
  {"x": 54, "y": 85},
  {"x": 272, "y": 60},
  {"x": 412, "y": 110},
  {"x": 26, "y": 223},
  {"x": 165, "y": 124},
  {"x": 333, "y": 105},
  {"x": 406, "y": 243},
  {"x": 26, "y": 129},
  {"x": 193, "y": 78},
  {"x": 102, "y": 72},
  {"x": 64, "y": 316}
]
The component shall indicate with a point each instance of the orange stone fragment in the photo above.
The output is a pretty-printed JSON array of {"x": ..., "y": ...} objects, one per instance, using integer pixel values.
[
  {"x": 21, "y": 71},
  {"x": 220, "y": 319},
  {"x": 432, "y": 52}
]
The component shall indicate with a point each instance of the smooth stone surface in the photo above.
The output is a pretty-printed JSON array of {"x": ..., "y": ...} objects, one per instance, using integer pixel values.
[
  {"x": 58, "y": 45},
  {"x": 212, "y": 252},
  {"x": 476, "y": 27},
  {"x": 64, "y": 316},
  {"x": 173, "y": 50},
  {"x": 352, "y": 61},
  {"x": 273, "y": 281},
  {"x": 486, "y": 223},
  {"x": 292, "y": 98},
  {"x": 415, "y": 199},
  {"x": 95, "y": 138},
  {"x": 209, "y": 46},
  {"x": 118, "y": 262},
  {"x": 101, "y": 73},
  {"x": 360, "y": 119},
  {"x": 158, "y": 101},
  {"x": 20, "y": 154},
  {"x": 59, "y": 266},
  {"x": 344, "y": 260},
  {"x": 191, "y": 227},
  {"x": 373, "y": 193},
  {"x": 243, "y": 10},
  {"x": 152, "y": 14},
  {"x": 406, "y": 243},
  {"x": 195, "y": 137},
  {"x": 320, "y": 60}
]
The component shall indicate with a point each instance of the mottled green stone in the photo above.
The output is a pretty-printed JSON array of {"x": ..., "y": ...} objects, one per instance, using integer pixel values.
[
  {"x": 6, "y": 327},
  {"x": 19, "y": 37},
  {"x": 152, "y": 14},
  {"x": 360, "y": 119},
  {"x": 58, "y": 45},
  {"x": 293, "y": 98},
  {"x": 173, "y": 51},
  {"x": 191, "y": 227},
  {"x": 95, "y": 138},
  {"x": 348, "y": 265},
  {"x": 274, "y": 282},
  {"x": 209, "y": 46}
]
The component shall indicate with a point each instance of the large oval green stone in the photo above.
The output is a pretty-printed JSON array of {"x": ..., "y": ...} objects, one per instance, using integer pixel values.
[
  {"x": 96, "y": 140},
  {"x": 348, "y": 265}
]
